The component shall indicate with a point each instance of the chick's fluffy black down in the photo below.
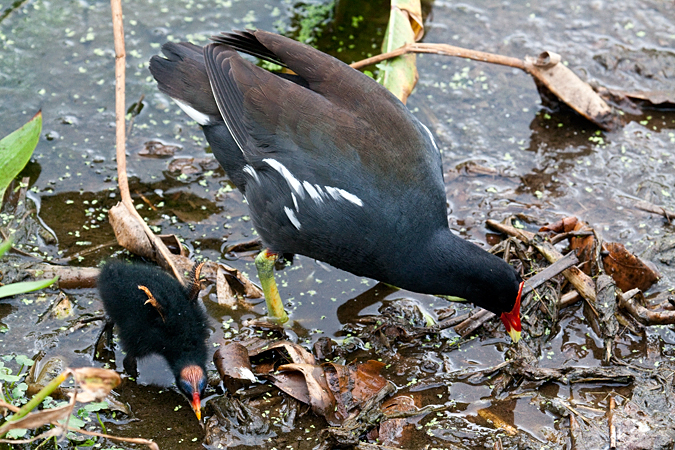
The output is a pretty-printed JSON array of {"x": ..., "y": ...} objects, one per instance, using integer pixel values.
[{"x": 179, "y": 336}]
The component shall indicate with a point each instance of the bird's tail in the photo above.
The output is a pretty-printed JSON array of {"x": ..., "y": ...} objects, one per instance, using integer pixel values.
[{"x": 181, "y": 75}]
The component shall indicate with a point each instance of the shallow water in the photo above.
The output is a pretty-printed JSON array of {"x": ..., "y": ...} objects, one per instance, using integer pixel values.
[{"x": 58, "y": 57}]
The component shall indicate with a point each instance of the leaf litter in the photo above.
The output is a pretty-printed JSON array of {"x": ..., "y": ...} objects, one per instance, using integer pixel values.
[{"x": 361, "y": 407}]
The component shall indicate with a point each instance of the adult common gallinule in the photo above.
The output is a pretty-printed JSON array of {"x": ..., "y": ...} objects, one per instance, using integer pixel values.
[
  {"x": 155, "y": 313},
  {"x": 333, "y": 166}
]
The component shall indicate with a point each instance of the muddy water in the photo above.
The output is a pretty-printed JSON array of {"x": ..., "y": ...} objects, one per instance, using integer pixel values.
[{"x": 57, "y": 56}]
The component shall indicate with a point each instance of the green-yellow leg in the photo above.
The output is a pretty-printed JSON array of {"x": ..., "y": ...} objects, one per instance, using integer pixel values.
[{"x": 264, "y": 262}]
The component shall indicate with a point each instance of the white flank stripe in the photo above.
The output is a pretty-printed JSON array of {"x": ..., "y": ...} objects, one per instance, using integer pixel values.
[
  {"x": 199, "y": 117},
  {"x": 251, "y": 171},
  {"x": 312, "y": 192},
  {"x": 291, "y": 216},
  {"x": 431, "y": 136},
  {"x": 333, "y": 192},
  {"x": 293, "y": 182},
  {"x": 350, "y": 197},
  {"x": 338, "y": 194},
  {"x": 295, "y": 202}
]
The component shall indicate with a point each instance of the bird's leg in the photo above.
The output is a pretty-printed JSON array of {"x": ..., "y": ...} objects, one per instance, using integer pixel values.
[
  {"x": 130, "y": 365},
  {"x": 106, "y": 334},
  {"x": 264, "y": 262}
]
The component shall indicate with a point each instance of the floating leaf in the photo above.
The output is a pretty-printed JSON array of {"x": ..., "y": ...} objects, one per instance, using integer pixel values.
[
  {"x": 157, "y": 149},
  {"x": 16, "y": 150}
]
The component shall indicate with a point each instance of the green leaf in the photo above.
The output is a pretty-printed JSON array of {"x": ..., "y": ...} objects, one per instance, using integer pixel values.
[
  {"x": 4, "y": 246},
  {"x": 96, "y": 406},
  {"x": 399, "y": 75},
  {"x": 74, "y": 421},
  {"x": 9, "y": 378},
  {"x": 16, "y": 150},
  {"x": 25, "y": 286},
  {"x": 17, "y": 433},
  {"x": 24, "y": 360}
]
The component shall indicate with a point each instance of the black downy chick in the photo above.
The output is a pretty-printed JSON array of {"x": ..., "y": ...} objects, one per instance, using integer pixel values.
[{"x": 156, "y": 314}]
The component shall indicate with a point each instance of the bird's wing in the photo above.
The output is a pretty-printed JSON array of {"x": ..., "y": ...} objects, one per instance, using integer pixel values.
[{"x": 335, "y": 116}]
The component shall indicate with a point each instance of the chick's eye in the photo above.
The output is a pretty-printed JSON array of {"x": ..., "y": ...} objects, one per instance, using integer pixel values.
[
  {"x": 202, "y": 385},
  {"x": 185, "y": 386}
]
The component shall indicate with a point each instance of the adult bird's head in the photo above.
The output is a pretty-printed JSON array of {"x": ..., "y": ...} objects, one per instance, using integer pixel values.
[
  {"x": 486, "y": 281},
  {"x": 192, "y": 381}
]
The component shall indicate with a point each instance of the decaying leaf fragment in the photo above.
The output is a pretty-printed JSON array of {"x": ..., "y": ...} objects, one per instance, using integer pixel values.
[
  {"x": 131, "y": 235},
  {"x": 396, "y": 432},
  {"x": 307, "y": 383},
  {"x": 606, "y": 324},
  {"x": 582, "y": 241}
]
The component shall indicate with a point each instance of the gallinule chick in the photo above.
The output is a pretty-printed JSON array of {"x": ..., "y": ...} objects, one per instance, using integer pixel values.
[
  {"x": 333, "y": 166},
  {"x": 156, "y": 314}
]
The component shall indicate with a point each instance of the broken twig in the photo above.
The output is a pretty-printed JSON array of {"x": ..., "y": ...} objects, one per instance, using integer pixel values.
[
  {"x": 163, "y": 255},
  {"x": 547, "y": 71},
  {"x": 628, "y": 301}
]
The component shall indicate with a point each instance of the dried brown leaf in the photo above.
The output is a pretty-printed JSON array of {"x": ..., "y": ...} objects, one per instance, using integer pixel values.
[
  {"x": 38, "y": 419},
  {"x": 129, "y": 232},
  {"x": 628, "y": 270},
  {"x": 234, "y": 365},
  {"x": 368, "y": 380},
  {"x": 293, "y": 383},
  {"x": 397, "y": 432},
  {"x": 320, "y": 398},
  {"x": 549, "y": 72},
  {"x": 293, "y": 352},
  {"x": 562, "y": 226},
  {"x": 352, "y": 386},
  {"x": 497, "y": 421},
  {"x": 95, "y": 383},
  {"x": 224, "y": 293}
]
